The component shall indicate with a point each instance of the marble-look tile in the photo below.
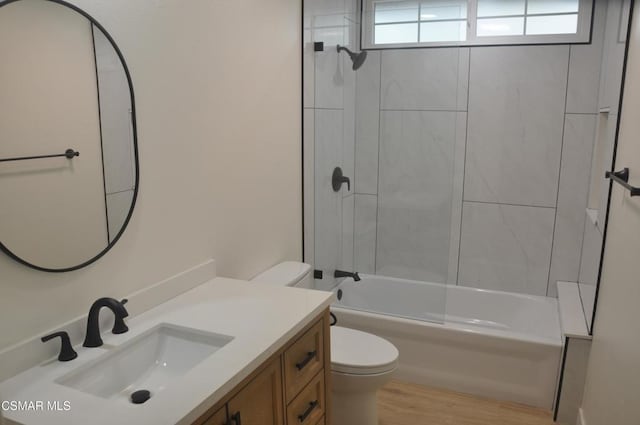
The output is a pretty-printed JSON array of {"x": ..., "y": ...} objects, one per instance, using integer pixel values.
[
  {"x": 367, "y": 125},
  {"x": 456, "y": 205},
  {"x": 366, "y": 215},
  {"x": 328, "y": 204},
  {"x": 613, "y": 59},
  {"x": 329, "y": 68},
  {"x": 309, "y": 185},
  {"x": 351, "y": 11},
  {"x": 464, "y": 57},
  {"x": 584, "y": 68},
  {"x": 308, "y": 71},
  {"x": 349, "y": 129},
  {"x": 324, "y": 7},
  {"x": 607, "y": 150},
  {"x": 415, "y": 195},
  {"x": 348, "y": 210},
  {"x": 591, "y": 254},
  {"x": 118, "y": 206},
  {"x": 577, "y": 150},
  {"x": 506, "y": 248},
  {"x": 353, "y": 21},
  {"x": 421, "y": 79},
  {"x": 516, "y": 117}
]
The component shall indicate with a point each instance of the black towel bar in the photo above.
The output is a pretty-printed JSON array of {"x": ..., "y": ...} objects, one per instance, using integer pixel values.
[
  {"x": 622, "y": 178},
  {"x": 69, "y": 154}
]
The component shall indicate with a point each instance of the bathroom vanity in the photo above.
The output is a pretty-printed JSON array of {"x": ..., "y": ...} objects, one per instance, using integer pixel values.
[
  {"x": 293, "y": 383},
  {"x": 227, "y": 352}
]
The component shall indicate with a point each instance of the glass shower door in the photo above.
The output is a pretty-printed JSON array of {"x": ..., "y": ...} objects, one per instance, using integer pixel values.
[{"x": 392, "y": 222}]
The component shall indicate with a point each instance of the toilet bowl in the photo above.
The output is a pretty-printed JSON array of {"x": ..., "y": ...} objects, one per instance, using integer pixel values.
[{"x": 361, "y": 363}]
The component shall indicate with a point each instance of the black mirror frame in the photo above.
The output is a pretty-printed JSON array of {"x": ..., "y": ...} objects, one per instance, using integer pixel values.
[{"x": 115, "y": 240}]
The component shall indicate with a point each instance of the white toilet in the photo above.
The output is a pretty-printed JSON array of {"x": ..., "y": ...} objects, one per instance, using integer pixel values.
[{"x": 361, "y": 363}]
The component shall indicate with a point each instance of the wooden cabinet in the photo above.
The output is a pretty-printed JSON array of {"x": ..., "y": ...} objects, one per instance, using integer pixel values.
[
  {"x": 218, "y": 418},
  {"x": 260, "y": 402},
  {"x": 291, "y": 388}
]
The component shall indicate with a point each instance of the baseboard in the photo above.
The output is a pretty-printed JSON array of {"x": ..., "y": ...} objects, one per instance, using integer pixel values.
[
  {"x": 32, "y": 352},
  {"x": 581, "y": 420}
]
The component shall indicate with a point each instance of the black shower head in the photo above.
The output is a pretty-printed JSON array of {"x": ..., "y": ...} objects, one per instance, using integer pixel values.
[{"x": 357, "y": 58}]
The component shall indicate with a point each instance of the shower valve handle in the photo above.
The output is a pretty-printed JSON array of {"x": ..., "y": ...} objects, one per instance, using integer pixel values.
[{"x": 338, "y": 179}]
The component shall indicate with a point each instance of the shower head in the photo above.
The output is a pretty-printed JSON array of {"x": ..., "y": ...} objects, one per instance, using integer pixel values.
[{"x": 357, "y": 58}]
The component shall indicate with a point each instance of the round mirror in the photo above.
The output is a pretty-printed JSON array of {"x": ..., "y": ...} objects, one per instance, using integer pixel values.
[{"x": 68, "y": 147}]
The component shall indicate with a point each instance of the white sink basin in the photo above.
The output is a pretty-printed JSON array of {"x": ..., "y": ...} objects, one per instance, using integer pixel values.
[{"x": 149, "y": 362}]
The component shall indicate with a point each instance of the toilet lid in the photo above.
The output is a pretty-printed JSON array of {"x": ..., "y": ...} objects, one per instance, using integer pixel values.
[{"x": 361, "y": 353}]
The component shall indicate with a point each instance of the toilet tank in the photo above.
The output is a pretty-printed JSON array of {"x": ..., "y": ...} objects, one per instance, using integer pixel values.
[{"x": 289, "y": 273}]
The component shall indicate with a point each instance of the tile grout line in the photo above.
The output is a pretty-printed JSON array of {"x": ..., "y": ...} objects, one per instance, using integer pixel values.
[
  {"x": 424, "y": 110},
  {"x": 354, "y": 104},
  {"x": 468, "y": 201},
  {"x": 375, "y": 248}
]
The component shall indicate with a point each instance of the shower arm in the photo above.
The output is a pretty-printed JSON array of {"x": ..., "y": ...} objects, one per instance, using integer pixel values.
[{"x": 341, "y": 48}]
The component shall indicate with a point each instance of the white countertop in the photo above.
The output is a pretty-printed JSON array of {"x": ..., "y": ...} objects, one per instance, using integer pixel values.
[{"x": 261, "y": 318}]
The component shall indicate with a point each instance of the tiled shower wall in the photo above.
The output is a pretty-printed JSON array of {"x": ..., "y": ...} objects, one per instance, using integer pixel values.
[{"x": 471, "y": 165}]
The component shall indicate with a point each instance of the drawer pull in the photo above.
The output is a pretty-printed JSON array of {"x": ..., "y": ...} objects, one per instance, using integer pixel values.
[
  {"x": 310, "y": 356},
  {"x": 305, "y": 415},
  {"x": 235, "y": 419}
]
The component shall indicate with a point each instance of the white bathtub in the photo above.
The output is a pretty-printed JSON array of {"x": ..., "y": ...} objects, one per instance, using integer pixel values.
[{"x": 489, "y": 343}]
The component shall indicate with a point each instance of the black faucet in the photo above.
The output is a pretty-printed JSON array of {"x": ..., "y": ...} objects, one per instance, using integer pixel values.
[
  {"x": 93, "y": 338},
  {"x": 339, "y": 273}
]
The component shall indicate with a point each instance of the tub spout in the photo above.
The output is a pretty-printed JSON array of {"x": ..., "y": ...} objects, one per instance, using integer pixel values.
[{"x": 339, "y": 273}]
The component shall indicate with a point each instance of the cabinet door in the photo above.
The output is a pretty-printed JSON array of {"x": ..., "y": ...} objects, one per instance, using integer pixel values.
[
  {"x": 260, "y": 402},
  {"x": 218, "y": 418}
]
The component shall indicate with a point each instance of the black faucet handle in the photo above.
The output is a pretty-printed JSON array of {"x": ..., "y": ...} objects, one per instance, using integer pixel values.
[
  {"x": 119, "y": 327},
  {"x": 67, "y": 353},
  {"x": 338, "y": 179},
  {"x": 124, "y": 313}
]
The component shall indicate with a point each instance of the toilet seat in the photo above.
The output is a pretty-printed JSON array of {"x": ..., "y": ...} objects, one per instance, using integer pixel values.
[{"x": 359, "y": 353}]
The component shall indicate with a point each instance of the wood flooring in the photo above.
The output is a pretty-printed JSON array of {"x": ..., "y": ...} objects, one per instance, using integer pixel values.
[{"x": 408, "y": 404}]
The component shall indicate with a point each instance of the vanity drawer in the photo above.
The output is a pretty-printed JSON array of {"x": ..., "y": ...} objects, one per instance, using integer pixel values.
[
  {"x": 309, "y": 406},
  {"x": 321, "y": 421},
  {"x": 303, "y": 360}
]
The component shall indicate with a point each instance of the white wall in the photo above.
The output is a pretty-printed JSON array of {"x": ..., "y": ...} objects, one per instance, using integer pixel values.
[
  {"x": 218, "y": 96},
  {"x": 611, "y": 395}
]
